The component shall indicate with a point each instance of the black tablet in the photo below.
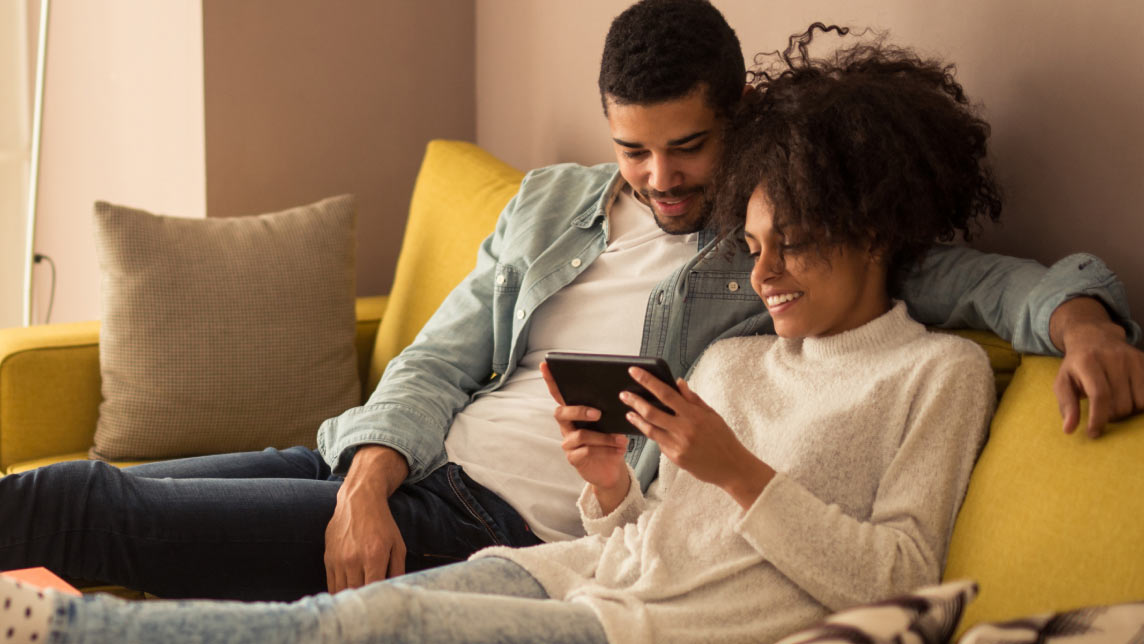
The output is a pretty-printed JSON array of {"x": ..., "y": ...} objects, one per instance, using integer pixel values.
[{"x": 596, "y": 380}]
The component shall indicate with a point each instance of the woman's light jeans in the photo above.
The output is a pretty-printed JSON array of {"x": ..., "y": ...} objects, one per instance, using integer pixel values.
[{"x": 484, "y": 601}]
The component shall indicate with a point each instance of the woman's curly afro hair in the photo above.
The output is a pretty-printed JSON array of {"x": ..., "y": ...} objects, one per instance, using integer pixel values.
[{"x": 872, "y": 147}]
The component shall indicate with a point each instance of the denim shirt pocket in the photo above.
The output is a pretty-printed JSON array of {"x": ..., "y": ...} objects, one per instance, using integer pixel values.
[
  {"x": 506, "y": 290},
  {"x": 715, "y": 301}
]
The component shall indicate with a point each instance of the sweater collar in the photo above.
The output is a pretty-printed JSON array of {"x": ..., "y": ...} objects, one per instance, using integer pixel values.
[{"x": 892, "y": 328}]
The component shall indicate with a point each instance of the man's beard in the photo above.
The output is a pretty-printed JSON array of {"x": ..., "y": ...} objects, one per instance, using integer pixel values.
[{"x": 692, "y": 222}]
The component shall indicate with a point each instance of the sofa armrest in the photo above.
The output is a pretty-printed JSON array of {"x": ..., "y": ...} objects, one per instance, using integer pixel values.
[
  {"x": 50, "y": 384},
  {"x": 49, "y": 390}
]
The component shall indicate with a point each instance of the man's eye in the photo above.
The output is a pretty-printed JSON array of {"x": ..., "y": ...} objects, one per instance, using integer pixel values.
[{"x": 634, "y": 154}]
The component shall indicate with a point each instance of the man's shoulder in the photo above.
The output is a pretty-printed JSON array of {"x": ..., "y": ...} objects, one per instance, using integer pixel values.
[
  {"x": 567, "y": 186},
  {"x": 573, "y": 173}
]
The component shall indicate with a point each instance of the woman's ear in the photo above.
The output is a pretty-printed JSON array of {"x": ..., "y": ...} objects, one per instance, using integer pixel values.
[{"x": 876, "y": 253}]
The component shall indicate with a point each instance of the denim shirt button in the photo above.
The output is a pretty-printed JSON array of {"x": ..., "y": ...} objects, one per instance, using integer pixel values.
[
  {"x": 520, "y": 314},
  {"x": 501, "y": 279},
  {"x": 732, "y": 286},
  {"x": 576, "y": 263}
]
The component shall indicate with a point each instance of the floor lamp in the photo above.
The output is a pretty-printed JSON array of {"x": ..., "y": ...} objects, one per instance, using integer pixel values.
[{"x": 34, "y": 174}]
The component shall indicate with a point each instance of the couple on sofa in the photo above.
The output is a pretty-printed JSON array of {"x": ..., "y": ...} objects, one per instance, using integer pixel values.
[{"x": 799, "y": 474}]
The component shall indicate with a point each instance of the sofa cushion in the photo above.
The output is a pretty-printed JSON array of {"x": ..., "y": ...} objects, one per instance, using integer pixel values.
[
  {"x": 460, "y": 191},
  {"x": 1116, "y": 624},
  {"x": 224, "y": 334},
  {"x": 1051, "y": 521},
  {"x": 925, "y": 616}
]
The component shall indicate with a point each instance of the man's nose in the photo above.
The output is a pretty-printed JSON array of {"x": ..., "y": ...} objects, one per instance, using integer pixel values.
[{"x": 663, "y": 174}]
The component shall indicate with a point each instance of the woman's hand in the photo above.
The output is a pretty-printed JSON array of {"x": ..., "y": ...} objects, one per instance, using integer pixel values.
[
  {"x": 697, "y": 439},
  {"x": 598, "y": 457}
]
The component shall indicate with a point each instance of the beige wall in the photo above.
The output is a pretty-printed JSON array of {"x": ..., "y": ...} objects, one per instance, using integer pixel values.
[
  {"x": 15, "y": 135},
  {"x": 192, "y": 106},
  {"x": 1062, "y": 83},
  {"x": 123, "y": 122},
  {"x": 308, "y": 98}
]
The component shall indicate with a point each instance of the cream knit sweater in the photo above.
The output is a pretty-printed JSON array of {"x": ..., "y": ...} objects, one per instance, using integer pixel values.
[{"x": 874, "y": 433}]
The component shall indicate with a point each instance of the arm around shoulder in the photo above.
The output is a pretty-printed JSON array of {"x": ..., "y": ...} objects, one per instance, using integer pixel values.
[{"x": 1015, "y": 298}]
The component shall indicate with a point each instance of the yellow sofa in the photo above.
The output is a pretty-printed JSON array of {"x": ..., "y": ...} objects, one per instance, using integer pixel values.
[{"x": 1051, "y": 522}]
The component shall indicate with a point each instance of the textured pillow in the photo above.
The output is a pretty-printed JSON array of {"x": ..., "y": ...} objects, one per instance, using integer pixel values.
[
  {"x": 1116, "y": 624},
  {"x": 224, "y": 334},
  {"x": 926, "y": 616}
]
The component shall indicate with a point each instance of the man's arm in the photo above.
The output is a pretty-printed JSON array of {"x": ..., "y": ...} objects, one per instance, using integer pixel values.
[
  {"x": 1099, "y": 364},
  {"x": 1077, "y": 307},
  {"x": 399, "y": 433},
  {"x": 425, "y": 385},
  {"x": 363, "y": 543}
]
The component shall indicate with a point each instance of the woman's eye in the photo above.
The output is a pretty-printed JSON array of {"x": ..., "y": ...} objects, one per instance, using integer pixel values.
[{"x": 690, "y": 149}]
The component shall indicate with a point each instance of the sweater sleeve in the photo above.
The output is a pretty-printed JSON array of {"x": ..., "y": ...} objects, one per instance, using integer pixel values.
[
  {"x": 842, "y": 561},
  {"x": 628, "y": 511}
]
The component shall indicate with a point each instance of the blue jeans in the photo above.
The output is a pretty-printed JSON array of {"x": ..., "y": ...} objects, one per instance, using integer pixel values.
[
  {"x": 479, "y": 602},
  {"x": 245, "y": 526}
]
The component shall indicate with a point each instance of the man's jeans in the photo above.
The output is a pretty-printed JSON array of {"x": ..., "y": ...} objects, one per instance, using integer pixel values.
[{"x": 233, "y": 526}]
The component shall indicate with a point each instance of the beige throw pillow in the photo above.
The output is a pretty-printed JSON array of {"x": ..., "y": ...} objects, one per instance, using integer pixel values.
[{"x": 224, "y": 334}]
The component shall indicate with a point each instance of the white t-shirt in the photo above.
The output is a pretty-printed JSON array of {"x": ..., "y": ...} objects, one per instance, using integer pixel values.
[{"x": 508, "y": 440}]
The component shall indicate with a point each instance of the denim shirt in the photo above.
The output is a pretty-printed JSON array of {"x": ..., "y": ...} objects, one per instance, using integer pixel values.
[{"x": 554, "y": 228}]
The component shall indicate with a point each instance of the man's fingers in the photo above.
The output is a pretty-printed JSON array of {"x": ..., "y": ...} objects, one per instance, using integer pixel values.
[
  {"x": 396, "y": 561},
  {"x": 1117, "y": 372},
  {"x": 1137, "y": 384},
  {"x": 1067, "y": 401},
  {"x": 1097, "y": 388}
]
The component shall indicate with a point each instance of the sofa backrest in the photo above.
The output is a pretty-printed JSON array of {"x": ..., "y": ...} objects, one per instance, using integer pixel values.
[
  {"x": 1051, "y": 522},
  {"x": 460, "y": 191}
]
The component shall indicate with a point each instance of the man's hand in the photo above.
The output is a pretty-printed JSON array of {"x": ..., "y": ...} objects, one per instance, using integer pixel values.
[
  {"x": 363, "y": 543},
  {"x": 1098, "y": 364}
]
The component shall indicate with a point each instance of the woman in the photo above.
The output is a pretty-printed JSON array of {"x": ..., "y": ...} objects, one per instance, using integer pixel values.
[{"x": 819, "y": 469}]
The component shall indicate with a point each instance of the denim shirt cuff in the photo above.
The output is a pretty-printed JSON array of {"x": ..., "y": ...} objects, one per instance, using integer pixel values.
[
  {"x": 1082, "y": 275},
  {"x": 395, "y": 426}
]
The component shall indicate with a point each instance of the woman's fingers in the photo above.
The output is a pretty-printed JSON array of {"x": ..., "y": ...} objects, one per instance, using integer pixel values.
[
  {"x": 649, "y": 412},
  {"x": 653, "y": 432},
  {"x": 656, "y": 387},
  {"x": 553, "y": 390}
]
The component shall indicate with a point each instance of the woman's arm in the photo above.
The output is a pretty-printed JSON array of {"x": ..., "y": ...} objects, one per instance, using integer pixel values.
[{"x": 841, "y": 560}]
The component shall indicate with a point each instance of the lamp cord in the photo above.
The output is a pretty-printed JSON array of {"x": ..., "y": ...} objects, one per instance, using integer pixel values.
[{"x": 39, "y": 257}]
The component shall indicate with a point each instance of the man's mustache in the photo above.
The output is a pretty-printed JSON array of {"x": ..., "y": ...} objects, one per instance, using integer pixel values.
[{"x": 674, "y": 193}]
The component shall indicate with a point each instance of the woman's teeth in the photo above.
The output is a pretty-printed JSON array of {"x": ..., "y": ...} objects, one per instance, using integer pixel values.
[{"x": 775, "y": 300}]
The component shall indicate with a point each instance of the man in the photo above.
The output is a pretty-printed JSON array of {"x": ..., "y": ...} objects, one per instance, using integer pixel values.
[{"x": 445, "y": 459}]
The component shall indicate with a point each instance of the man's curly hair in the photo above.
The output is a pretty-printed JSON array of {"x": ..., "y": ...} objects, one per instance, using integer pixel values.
[
  {"x": 871, "y": 147},
  {"x": 660, "y": 50}
]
